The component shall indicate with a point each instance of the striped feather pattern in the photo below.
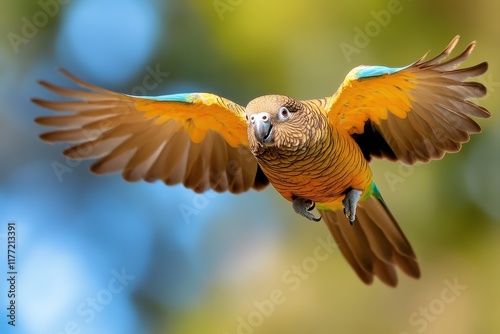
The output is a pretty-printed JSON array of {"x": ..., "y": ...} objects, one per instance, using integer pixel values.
[
  {"x": 200, "y": 143},
  {"x": 421, "y": 111}
]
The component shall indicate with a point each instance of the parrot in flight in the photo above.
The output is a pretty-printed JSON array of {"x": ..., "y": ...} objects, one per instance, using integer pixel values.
[{"x": 315, "y": 153}]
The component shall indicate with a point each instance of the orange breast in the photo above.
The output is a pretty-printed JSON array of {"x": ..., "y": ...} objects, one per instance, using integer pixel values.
[{"x": 322, "y": 173}]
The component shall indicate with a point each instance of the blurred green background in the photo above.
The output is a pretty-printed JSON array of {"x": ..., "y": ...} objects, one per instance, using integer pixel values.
[{"x": 217, "y": 270}]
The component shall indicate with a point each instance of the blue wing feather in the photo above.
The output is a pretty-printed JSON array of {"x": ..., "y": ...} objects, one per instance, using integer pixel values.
[
  {"x": 374, "y": 71},
  {"x": 180, "y": 97}
]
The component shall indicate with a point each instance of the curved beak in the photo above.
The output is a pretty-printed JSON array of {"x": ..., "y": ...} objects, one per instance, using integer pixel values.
[{"x": 262, "y": 128}]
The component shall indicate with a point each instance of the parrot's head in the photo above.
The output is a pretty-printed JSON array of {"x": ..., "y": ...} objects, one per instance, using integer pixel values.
[{"x": 280, "y": 123}]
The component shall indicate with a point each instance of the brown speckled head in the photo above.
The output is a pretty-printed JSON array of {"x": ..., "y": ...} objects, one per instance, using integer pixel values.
[{"x": 282, "y": 123}]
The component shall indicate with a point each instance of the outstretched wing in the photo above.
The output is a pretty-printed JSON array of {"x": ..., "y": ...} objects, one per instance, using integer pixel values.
[
  {"x": 413, "y": 113},
  {"x": 197, "y": 139}
]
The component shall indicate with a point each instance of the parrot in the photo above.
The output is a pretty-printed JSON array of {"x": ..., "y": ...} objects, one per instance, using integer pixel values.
[{"x": 316, "y": 153}]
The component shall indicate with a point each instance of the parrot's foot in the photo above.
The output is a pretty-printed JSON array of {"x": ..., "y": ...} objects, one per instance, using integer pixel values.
[
  {"x": 303, "y": 206},
  {"x": 350, "y": 202}
]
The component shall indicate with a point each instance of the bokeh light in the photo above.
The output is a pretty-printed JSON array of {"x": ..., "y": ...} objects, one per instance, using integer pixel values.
[{"x": 110, "y": 40}]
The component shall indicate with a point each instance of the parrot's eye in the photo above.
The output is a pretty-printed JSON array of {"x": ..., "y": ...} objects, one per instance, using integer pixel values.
[{"x": 284, "y": 113}]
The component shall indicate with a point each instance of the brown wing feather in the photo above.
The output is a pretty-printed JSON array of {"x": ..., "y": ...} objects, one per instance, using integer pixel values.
[
  {"x": 170, "y": 143},
  {"x": 375, "y": 244},
  {"x": 417, "y": 113}
]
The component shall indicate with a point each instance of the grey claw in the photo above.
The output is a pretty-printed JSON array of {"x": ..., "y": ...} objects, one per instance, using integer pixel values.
[
  {"x": 314, "y": 218},
  {"x": 303, "y": 206},
  {"x": 350, "y": 204}
]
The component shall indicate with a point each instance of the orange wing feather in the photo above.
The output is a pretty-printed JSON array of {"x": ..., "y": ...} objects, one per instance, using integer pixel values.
[
  {"x": 197, "y": 139},
  {"x": 413, "y": 113}
]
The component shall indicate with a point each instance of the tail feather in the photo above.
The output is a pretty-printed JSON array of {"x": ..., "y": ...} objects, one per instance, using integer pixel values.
[
  {"x": 375, "y": 244},
  {"x": 384, "y": 272},
  {"x": 408, "y": 265},
  {"x": 345, "y": 248}
]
